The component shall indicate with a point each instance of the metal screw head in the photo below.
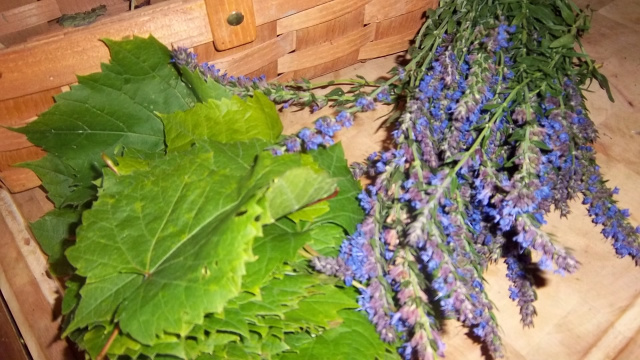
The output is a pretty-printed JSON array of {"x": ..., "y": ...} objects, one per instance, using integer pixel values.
[{"x": 235, "y": 18}]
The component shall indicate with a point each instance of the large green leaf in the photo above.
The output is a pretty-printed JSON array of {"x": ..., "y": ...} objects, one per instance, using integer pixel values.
[
  {"x": 67, "y": 182},
  {"x": 114, "y": 107},
  {"x": 175, "y": 250},
  {"x": 345, "y": 210},
  {"x": 53, "y": 232},
  {"x": 322, "y": 309},
  {"x": 224, "y": 120},
  {"x": 355, "y": 338},
  {"x": 279, "y": 243}
]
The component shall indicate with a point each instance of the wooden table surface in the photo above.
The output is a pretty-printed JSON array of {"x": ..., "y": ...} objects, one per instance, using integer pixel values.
[{"x": 592, "y": 314}]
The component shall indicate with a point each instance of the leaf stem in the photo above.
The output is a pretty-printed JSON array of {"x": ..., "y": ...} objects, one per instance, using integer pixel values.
[{"x": 106, "y": 346}]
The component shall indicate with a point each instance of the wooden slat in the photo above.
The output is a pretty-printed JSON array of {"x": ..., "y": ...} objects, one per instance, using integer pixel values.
[
  {"x": 329, "y": 51},
  {"x": 74, "y": 6},
  {"x": 226, "y": 36},
  {"x": 400, "y": 24},
  {"x": 16, "y": 179},
  {"x": 12, "y": 140},
  {"x": 258, "y": 56},
  {"x": 18, "y": 156},
  {"x": 28, "y": 15},
  {"x": 272, "y": 10},
  {"x": 29, "y": 292},
  {"x": 386, "y": 46},
  {"x": 618, "y": 335},
  {"x": 19, "y": 179},
  {"x": 28, "y": 68},
  {"x": 19, "y": 112},
  {"x": 378, "y": 10},
  {"x": 319, "y": 14},
  {"x": 329, "y": 31},
  {"x": 12, "y": 4},
  {"x": 10, "y": 342}
]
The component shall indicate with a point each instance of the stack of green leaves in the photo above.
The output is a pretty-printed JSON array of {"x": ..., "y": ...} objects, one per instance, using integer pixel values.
[{"x": 180, "y": 234}]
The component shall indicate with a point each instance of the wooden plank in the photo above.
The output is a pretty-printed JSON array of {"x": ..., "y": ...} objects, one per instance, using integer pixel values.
[
  {"x": 19, "y": 179},
  {"x": 378, "y": 10},
  {"x": 329, "y": 31},
  {"x": 28, "y": 68},
  {"x": 328, "y": 51},
  {"x": 12, "y": 4},
  {"x": 401, "y": 24},
  {"x": 272, "y": 10},
  {"x": 7, "y": 158},
  {"x": 28, "y": 15},
  {"x": 11, "y": 343},
  {"x": 225, "y": 34},
  {"x": 74, "y": 6},
  {"x": 319, "y": 14},
  {"x": 258, "y": 56},
  {"x": 387, "y": 46},
  {"x": 19, "y": 112},
  {"x": 618, "y": 335},
  {"x": 21, "y": 36},
  {"x": 29, "y": 292}
]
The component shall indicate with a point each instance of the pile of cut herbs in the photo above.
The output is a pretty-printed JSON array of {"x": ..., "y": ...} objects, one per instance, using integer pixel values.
[{"x": 188, "y": 226}]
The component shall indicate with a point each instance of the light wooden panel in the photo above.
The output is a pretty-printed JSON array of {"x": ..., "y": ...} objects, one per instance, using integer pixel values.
[
  {"x": 29, "y": 292},
  {"x": 28, "y": 68},
  {"x": 28, "y": 15}
]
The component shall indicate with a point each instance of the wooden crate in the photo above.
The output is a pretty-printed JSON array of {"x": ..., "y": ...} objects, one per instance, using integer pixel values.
[{"x": 589, "y": 315}]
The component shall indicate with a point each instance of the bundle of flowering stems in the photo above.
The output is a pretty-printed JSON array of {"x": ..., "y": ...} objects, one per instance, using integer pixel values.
[{"x": 490, "y": 133}]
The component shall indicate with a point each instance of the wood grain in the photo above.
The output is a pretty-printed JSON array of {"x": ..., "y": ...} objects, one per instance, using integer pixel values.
[
  {"x": 29, "y": 292},
  {"x": 378, "y": 10},
  {"x": 319, "y": 14},
  {"x": 226, "y": 36},
  {"x": 323, "y": 33},
  {"x": 258, "y": 56},
  {"x": 28, "y": 68},
  {"x": 28, "y": 15},
  {"x": 74, "y": 6},
  {"x": 272, "y": 10},
  {"x": 326, "y": 52},
  {"x": 264, "y": 33},
  {"x": 11, "y": 344}
]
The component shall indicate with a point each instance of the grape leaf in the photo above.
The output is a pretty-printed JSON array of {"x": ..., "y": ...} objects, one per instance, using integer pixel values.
[
  {"x": 204, "y": 90},
  {"x": 322, "y": 309},
  {"x": 67, "y": 182},
  {"x": 327, "y": 238},
  {"x": 231, "y": 320},
  {"x": 345, "y": 210},
  {"x": 71, "y": 294},
  {"x": 53, "y": 231},
  {"x": 114, "y": 107},
  {"x": 279, "y": 242},
  {"x": 310, "y": 212},
  {"x": 356, "y": 337},
  {"x": 166, "y": 253},
  {"x": 224, "y": 120}
]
